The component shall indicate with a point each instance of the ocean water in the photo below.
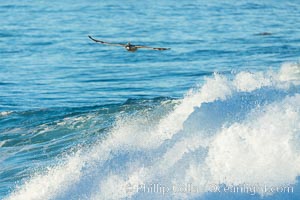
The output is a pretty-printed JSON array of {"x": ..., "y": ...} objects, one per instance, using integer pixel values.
[{"x": 215, "y": 117}]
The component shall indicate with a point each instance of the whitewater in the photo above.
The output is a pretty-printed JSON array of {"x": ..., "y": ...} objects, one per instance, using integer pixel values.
[{"x": 234, "y": 135}]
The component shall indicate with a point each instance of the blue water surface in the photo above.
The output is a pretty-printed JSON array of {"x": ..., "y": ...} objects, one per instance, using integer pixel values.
[
  {"x": 47, "y": 59},
  {"x": 50, "y": 70}
]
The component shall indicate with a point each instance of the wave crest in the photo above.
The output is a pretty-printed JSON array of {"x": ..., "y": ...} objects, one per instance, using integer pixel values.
[{"x": 243, "y": 130}]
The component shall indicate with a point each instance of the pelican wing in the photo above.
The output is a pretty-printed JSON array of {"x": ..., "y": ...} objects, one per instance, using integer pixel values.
[
  {"x": 107, "y": 43},
  {"x": 153, "y": 48}
]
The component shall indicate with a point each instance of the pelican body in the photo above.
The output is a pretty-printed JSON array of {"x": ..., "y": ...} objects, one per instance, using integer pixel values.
[{"x": 128, "y": 46}]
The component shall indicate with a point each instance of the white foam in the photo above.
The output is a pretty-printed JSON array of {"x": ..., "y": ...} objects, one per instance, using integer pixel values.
[
  {"x": 290, "y": 72},
  {"x": 5, "y": 113},
  {"x": 215, "y": 88},
  {"x": 259, "y": 149},
  {"x": 2, "y": 143},
  {"x": 246, "y": 81}
]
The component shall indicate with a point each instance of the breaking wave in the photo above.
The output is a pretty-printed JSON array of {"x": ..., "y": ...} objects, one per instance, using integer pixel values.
[{"x": 240, "y": 131}]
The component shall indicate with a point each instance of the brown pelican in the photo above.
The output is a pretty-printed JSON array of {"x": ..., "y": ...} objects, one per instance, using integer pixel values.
[{"x": 128, "y": 46}]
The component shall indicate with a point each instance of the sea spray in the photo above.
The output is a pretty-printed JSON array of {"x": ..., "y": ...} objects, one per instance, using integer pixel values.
[{"x": 251, "y": 139}]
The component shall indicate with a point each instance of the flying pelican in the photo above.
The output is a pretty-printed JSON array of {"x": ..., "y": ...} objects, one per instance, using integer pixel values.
[{"x": 128, "y": 46}]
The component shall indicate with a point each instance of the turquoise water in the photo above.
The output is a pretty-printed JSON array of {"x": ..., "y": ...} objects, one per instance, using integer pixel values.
[{"x": 80, "y": 120}]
